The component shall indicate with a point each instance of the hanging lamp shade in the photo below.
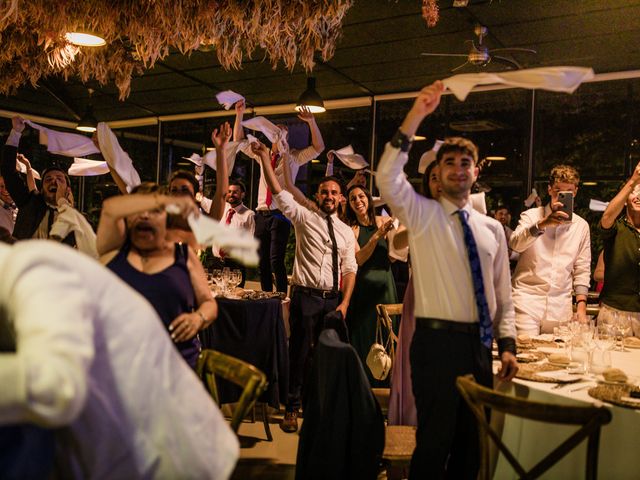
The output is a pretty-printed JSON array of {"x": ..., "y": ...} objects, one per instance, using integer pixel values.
[
  {"x": 310, "y": 98},
  {"x": 88, "y": 122}
]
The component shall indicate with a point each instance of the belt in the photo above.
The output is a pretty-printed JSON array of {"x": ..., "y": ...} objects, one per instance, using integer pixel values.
[
  {"x": 268, "y": 212},
  {"x": 437, "y": 324},
  {"x": 316, "y": 292}
]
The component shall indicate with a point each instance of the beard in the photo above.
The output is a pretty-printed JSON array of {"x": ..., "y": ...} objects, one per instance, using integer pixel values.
[{"x": 329, "y": 207}]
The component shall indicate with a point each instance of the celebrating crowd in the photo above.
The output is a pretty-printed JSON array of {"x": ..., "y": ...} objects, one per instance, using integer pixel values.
[{"x": 88, "y": 350}]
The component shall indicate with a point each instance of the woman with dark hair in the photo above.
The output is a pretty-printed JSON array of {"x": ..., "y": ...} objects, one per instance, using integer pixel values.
[
  {"x": 132, "y": 242},
  {"x": 374, "y": 281}
]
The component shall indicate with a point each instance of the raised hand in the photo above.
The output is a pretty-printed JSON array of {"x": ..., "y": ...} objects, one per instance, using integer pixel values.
[
  {"x": 240, "y": 107},
  {"x": 23, "y": 160},
  {"x": 428, "y": 99},
  {"x": 260, "y": 149},
  {"x": 220, "y": 137},
  {"x": 17, "y": 123},
  {"x": 305, "y": 115},
  {"x": 330, "y": 156}
]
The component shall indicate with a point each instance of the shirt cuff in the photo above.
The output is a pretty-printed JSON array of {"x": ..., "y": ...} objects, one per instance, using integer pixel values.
[
  {"x": 581, "y": 290},
  {"x": 506, "y": 344},
  {"x": 535, "y": 231},
  {"x": 13, "y": 139}
]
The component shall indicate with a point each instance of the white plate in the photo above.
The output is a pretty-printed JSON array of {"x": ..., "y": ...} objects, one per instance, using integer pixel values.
[
  {"x": 561, "y": 376},
  {"x": 631, "y": 346},
  {"x": 549, "y": 350}
]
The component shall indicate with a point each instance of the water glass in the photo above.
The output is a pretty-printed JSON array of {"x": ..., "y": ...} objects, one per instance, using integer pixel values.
[{"x": 600, "y": 361}]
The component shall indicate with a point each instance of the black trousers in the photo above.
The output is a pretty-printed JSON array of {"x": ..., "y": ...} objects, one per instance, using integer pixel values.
[
  {"x": 306, "y": 317},
  {"x": 220, "y": 263},
  {"x": 272, "y": 229},
  {"x": 447, "y": 436}
]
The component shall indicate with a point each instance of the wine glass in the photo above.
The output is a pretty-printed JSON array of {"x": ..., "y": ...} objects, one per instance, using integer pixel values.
[
  {"x": 232, "y": 283},
  {"x": 216, "y": 275},
  {"x": 623, "y": 326},
  {"x": 604, "y": 337}
]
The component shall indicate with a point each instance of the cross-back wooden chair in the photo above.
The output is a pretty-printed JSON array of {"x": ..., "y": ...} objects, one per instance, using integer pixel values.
[
  {"x": 590, "y": 418},
  {"x": 212, "y": 364},
  {"x": 384, "y": 313}
]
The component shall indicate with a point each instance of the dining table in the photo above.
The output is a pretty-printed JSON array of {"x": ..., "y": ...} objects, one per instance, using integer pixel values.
[
  {"x": 530, "y": 441},
  {"x": 252, "y": 330}
]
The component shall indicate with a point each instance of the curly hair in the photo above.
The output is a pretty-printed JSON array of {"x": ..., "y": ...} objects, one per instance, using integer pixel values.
[{"x": 564, "y": 174}]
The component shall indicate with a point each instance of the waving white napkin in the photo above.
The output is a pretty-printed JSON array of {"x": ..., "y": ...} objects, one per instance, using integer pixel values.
[
  {"x": 63, "y": 143},
  {"x": 237, "y": 243},
  {"x": 209, "y": 159},
  {"x": 270, "y": 130},
  {"x": 597, "y": 205},
  {"x": 22, "y": 168},
  {"x": 350, "y": 158},
  {"x": 116, "y": 157},
  {"x": 84, "y": 167},
  {"x": 228, "y": 98},
  {"x": 478, "y": 202},
  {"x": 428, "y": 157},
  {"x": 556, "y": 79}
]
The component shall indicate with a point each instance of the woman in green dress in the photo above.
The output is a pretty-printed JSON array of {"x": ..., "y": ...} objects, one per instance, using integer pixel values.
[{"x": 374, "y": 281}]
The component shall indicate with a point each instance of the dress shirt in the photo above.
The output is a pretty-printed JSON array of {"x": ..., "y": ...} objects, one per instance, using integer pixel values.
[
  {"x": 296, "y": 159},
  {"x": 312, "y": 266},
  {"x": 7, "y": 216},
  {"x": 93, "y": 356},
  {"x": 441, "y": 272},
  {"x": 550, "y": 264},
  {"x": 244, "y": 218}
]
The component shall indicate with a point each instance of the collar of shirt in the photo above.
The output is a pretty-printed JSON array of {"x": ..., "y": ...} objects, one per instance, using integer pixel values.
[{"x": 450, "y": 208}]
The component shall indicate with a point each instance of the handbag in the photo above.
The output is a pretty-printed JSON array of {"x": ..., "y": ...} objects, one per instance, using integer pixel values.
[{"x": 380, "y": 357}]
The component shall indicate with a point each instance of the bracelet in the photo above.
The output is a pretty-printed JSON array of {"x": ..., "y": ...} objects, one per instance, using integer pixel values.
[
  {"x": 204, "y": 320},
  {"x": 580, "y": 301}
]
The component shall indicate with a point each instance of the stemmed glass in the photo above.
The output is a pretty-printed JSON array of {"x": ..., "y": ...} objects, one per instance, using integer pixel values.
[
  {"x": 216, "y": 275},
  {"x": 623, "y": 327},
  {"x": 234, "y": 279}
]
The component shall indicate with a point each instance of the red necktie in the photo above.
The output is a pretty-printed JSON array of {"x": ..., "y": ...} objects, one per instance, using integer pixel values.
[
  {"x": 274, "y": 160},
  {"x": 230, "y": 215}
]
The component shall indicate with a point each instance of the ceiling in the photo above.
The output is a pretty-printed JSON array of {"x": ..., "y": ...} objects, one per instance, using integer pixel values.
[{"x": 379, "y": 53}]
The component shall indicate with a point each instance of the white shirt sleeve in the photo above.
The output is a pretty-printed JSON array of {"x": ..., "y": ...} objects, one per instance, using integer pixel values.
[
  {"x": 348, "y": 262},
  {"x": 290, "y": 208},
  {"x": 504, "y": 320},
  {"x": 46, "y": 380},
  {"x": 582, "y": 265},
  {"x": 522, "y": 237},
  {"x": 304, "y": 155}
]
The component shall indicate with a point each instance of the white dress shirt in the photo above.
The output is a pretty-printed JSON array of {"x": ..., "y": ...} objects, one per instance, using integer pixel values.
[
  {"x": 550, "y": 265},
  {"x": 313, "y": 266},
  {"x": 92, "y": 356},
  {"x": 296, "y": 159},
  {"x": 441, "y": 272},
  {"x": 244, "y": 219}
]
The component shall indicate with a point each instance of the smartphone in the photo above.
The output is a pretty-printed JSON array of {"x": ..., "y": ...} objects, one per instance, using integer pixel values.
[{"x": 566, "y": 199}]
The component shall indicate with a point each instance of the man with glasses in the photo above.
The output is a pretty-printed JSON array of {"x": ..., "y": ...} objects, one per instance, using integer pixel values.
[{"x": 555, "y": 258}]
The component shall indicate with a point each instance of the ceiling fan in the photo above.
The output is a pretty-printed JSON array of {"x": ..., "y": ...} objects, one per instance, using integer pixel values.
[{"x": 480, "y": 55}]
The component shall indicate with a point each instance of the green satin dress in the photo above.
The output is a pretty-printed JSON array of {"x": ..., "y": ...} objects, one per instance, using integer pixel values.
[{"x": 374, "y": 285}]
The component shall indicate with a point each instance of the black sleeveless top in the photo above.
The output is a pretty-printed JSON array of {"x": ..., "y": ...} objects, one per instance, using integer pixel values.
[{"x": 169, "y": 291}]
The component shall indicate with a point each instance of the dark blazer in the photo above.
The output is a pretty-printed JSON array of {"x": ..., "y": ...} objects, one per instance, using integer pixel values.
[
  {"x": 342, "y": 435},
  {"x": 31, "y": 205}
]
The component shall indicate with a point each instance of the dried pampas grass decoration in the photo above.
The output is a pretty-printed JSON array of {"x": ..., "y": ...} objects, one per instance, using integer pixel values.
[{"x": 139, "y": 33}]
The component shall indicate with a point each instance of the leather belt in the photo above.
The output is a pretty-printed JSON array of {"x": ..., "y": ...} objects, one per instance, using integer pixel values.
[
  {"x": 316, "y": 292},
  {"x": 437, "y": 324},
  {"x": 266, "y": 213}
]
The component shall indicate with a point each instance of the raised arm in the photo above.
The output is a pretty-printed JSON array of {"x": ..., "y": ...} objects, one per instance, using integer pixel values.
[
  {"x": 316, "y": 137},
  {"x": 620, "y": 200},
  {"x": 290, "y": 186},
  {"x": 31, "y": 181},
  {"x": 260, "y": 149},
  {"x": 329, "y": 170},
  {"x": 13, "y": 182},
  {"x": 220, "y": 139},
  {"x": 112, "y": 229},
  {"x": 238, "y": 130}
]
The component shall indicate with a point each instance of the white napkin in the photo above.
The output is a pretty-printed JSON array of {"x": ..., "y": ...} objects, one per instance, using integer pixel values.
[
  {"x": 556, "y": 79},
  {"x": 62, "y": 143},
  {"x": 228, "y": 98},
  {"x": 428, "y": 157},
  {"x": 270, "y": 130},
  {"x": 378, "y": 202},
  {"x": 597, "y": 205},
  {"x": 478, "y": 202},
  {"x": 350, "y": 158},
  {"x": 209, "y": 159},
  {"x": 68, "y": 220},
  {"x": 245, "y": 147},
  {"x": 83, "y": 167},
  {"x": 22, "y": 168},
  {"x": 237, "y": 243},
  {"x": 530, "y": 200},
  {"x": 116, "y": 157}
]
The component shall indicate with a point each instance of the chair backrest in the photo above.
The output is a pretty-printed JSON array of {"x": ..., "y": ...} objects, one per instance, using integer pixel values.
[
  {"x": 590, "y": 418},
  {"x": 212, "y": 364},
  {"x": 384, "y": 314}
]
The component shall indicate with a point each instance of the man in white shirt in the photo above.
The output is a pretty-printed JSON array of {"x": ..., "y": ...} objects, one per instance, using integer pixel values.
[
  {"x": 462, "y": 295},
  {"x": 555, "y": 258},
  {"x": 92, "y": 359},
  {"x": 236, "y": 215},
  {"x": 324, "y": 274},
  {"x": 272, "y": 228}
]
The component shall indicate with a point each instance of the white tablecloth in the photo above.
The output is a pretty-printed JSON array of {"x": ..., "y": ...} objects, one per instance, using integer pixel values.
[{"x": 530, "y": 441}]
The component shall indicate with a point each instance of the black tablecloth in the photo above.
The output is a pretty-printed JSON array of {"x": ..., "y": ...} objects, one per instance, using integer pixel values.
[{"x": 252, "y": 330}]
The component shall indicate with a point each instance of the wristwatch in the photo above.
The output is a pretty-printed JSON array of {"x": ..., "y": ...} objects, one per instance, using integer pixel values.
[{"x": 401, "y": 141}]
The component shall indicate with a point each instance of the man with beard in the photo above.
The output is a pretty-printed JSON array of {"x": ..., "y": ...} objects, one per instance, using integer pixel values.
[
  {"x": 236, "y": 215},
  {"x": 325, "y": 249},
  {"x": 462, "y": 295},
  {"x": 37, "y": 211},
  {"x": 622, "y": 255}
]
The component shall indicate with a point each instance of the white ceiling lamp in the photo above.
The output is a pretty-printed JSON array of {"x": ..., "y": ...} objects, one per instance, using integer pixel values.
[{"x": 83, "y": 39}]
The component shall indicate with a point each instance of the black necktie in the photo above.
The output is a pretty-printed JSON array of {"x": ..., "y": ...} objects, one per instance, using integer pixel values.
[
  {"x": 51, "y": 211},
  {"x": 334, "y": 252}
]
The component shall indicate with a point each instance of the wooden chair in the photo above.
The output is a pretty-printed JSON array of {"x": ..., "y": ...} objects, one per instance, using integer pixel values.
[
  {"x": 399, "y": 444},
  {"x": 590, "y": 418},
  {"x": 385, "y": 312},
  {"x": 212, "y": 364}
]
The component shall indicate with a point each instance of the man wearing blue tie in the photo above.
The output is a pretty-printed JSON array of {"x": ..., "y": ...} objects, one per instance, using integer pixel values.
[{"x": 462, "y": 295}]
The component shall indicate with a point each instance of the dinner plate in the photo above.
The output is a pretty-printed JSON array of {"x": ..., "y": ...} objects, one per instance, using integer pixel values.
[
  {"x": 563, "y": 365},
  {"x": 549, "y": 350},
  {"x": 631, "y": 346}
]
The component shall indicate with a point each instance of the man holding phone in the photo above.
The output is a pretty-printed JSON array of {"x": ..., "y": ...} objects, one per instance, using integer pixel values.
[{"x": 555, "y": 258}]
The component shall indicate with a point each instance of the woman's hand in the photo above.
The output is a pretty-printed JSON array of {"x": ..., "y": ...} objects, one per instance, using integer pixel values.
[
  {"x": 384, "y": 228},
  {"x": 220, "y": 137},
  {"x": 182, "y": 205},
  {"x": 185, "y": 326}
]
